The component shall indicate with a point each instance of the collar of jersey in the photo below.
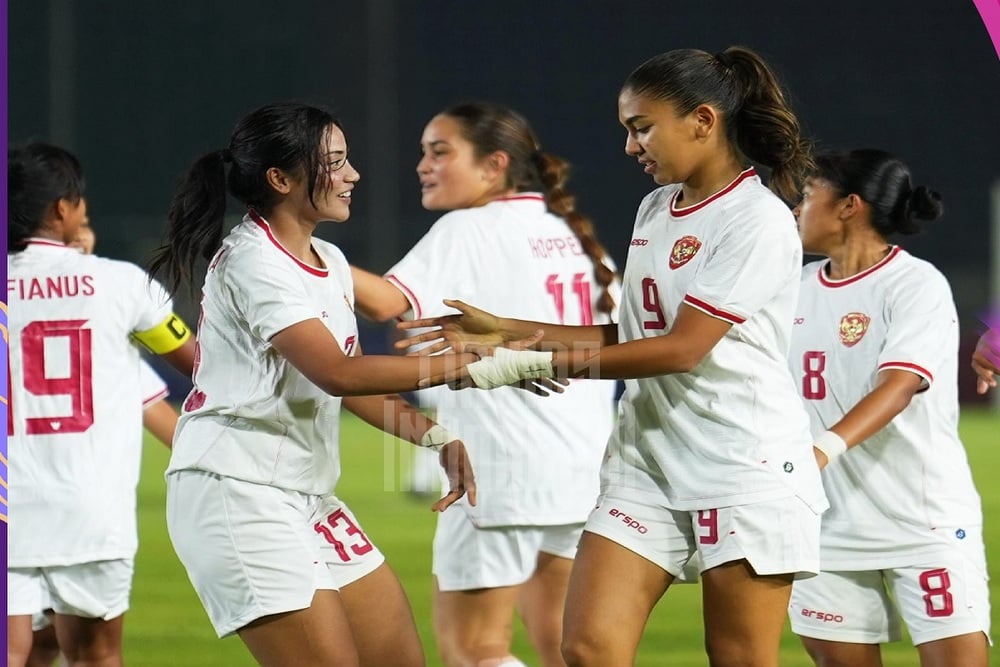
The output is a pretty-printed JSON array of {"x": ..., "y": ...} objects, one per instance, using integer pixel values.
[
  {"x": 830, "y": 282},
  {"x": 521, "y": 196},
  {"x": 681, "y": 212},
  {"x": 263, "y": 224},
  {"x": 38, "y": 242}
]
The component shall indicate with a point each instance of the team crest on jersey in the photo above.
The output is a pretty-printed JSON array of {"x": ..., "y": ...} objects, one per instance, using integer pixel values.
[
  {"x": 684, "y": 250},
  {"x": 853, "y": 327}
]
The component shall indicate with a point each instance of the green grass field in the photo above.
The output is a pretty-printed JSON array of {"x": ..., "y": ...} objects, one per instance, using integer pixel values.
[{"x": 167, "y": 627}]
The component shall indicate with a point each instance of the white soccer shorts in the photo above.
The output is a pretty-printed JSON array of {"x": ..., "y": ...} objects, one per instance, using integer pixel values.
[
  {"x": 775, "y": 537},
  {"x": 469, "y": 558},
  {"x": 253, "y": 550}
]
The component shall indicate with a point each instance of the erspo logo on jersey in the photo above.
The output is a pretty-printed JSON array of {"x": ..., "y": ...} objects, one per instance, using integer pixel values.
[
  {"x": 684, "y": 250},
  {"x": 853, "y": 327}
]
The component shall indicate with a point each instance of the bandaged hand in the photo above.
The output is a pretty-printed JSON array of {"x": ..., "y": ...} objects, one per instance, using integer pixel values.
[{"x": 507, "y": 366}]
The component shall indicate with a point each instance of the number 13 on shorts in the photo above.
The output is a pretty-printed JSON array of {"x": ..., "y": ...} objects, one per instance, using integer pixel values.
[{"x": 347, "y": 538}]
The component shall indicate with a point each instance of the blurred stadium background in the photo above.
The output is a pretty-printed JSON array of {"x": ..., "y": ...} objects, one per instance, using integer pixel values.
[{"x": 139, "y": 89}]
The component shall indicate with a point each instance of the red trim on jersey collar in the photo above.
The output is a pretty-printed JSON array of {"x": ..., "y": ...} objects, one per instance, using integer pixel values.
[
  {"x": 830, "y": 282},
  {"x": 46, "y": 242},
  {"x": 681, "y": 212},
  {"x": 529, "y": 196},
  {"x": 263, "y": 224}
]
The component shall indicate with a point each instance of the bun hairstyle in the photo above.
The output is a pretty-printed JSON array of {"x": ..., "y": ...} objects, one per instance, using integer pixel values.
[
  {"x": 490, "y": 128},
  {"x": 883, "y": 181},
  {"x": 741, "y": 86}
]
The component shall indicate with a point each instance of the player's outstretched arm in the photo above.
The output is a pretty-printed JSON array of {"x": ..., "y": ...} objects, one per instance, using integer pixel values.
[
  {"x": 396, "y": 416},
  {"x": 477, "y": 327},
  {"x": 894, "y": 389}
]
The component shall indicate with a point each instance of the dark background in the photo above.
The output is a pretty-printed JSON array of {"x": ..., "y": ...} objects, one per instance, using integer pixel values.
[{"x": 139, "y": 89}]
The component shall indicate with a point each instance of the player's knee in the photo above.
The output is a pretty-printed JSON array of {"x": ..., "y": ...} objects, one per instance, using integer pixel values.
[
  {"x": 580, "y": 651},
  {"x": 725, "y": 653}
]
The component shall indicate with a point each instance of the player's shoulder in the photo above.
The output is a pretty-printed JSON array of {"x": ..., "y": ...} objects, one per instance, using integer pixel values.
[
  {"x": 660, "y": 197},
  {"x": 330, "y": 252},
  {"x": 115, "y": 268},
  {"x": 906, "y": 271},
  {"x": 753, "y": 202}
]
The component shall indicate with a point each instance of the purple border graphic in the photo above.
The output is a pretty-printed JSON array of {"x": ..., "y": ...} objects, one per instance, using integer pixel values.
[
  {"x": 989, "y": 10},
  {"x": 3, "y": 378}
]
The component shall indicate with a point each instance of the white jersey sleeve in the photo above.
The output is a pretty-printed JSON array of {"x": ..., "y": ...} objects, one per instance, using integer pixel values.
[
  {"x": 743, "y": 271},
  {"x": 153, "y": 388},
  {"x": 426, "y": 275},
  {"x": 910, "y": 343}
]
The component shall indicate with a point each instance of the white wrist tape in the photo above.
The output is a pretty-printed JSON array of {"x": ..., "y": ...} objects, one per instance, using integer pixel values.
[
  {"x": 510, "y": 366},
  {"x": 436, "y": 437},
  {"x": 830, "y": 444}
]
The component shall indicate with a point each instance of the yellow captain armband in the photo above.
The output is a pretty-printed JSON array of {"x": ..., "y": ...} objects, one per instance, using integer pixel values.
[{"x": 166, "y": 336}]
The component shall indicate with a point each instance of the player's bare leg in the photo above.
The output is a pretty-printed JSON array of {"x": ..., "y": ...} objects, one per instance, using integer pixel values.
[
  {"x": 44, "y": 646},
  {"x": 541, "y": 603},
  {"x": 969, "y": 650},
  {"x": 315, "y": 637},
  {"x": 18, "y": 640},
  {"x": 842, "y": 654},
  {"x": 381, "y": 621},
  {"x": 90, "y": 642},
  {"x": 612, "y": 590},
  {"x": 474, "y": 627},
  {"x": 744, "y": 615}
]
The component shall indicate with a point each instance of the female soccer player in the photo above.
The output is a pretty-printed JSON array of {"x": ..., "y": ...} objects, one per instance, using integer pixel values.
[
  {"x": 76, "y": 412},
  {"x": 273, "y": 554},
  {"x": 874, "y": 350},
  {"x": 711, "y": 457},
  {"x": 512, "y": 241}
]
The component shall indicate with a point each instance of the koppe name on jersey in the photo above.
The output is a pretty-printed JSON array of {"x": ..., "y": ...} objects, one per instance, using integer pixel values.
[
  {"x": 50, "y": 287},
  {"x": 542, "y": 248}
]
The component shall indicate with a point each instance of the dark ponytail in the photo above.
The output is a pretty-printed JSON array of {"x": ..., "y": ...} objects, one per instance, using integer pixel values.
[
  {"x": 285, "y": 136},
  {"x": 195, "y": 220},
  {"x": 38, "y": 176},
  {"x": 758, "y": 120},
  {"x": 490, "y": 128},
  {"x": 883, "y": 181}
]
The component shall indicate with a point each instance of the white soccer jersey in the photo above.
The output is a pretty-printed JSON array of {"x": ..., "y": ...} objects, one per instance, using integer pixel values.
[
  {"x": 75, "y": 420},
  {"x": 536, "y": 459},
  {"x": 907, "y": 488},
  {"x": 252, "y": 415},
  {"x": 732, "y": 431},
  {"x": 152, "y": 388}
]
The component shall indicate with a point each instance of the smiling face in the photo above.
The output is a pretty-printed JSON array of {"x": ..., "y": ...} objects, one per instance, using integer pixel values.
[
  {"x": 336, "y": 178},
  {"x": 818, "y": 217},
  {"x": 665, "y": 143},
  {"x": 451, "y": 176}
]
